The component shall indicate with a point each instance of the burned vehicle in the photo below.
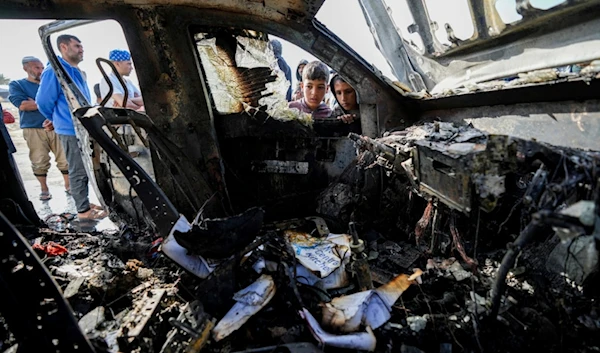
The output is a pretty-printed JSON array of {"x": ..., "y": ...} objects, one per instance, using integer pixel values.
[{"x": 465, "y": 215}]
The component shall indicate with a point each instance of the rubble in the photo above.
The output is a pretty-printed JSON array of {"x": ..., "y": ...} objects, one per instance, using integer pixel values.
[
  {"x": 92, "y": 319},
  {"x": 255, "y": 283}
]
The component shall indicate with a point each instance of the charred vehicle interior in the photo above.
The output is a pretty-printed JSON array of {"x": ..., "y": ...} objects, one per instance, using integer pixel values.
[{"x": 462, "y": 214}]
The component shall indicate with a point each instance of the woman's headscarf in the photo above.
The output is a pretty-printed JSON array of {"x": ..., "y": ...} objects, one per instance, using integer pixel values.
[{"x": 298, "y": 76}]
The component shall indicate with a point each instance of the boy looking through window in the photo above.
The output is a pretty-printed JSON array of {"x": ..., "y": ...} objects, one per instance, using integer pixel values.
[{"x": 314, "y": 85}]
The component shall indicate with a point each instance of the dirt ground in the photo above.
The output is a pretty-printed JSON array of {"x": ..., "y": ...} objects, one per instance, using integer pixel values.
[{"x": 61, "y": 202}]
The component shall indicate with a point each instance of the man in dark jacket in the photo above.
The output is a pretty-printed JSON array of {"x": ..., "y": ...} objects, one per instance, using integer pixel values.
[{"x": 275, "y": 45}]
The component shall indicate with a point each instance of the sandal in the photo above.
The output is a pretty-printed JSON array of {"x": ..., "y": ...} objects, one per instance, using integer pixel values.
[
  {"x": 96, "y": 207},
  {"x": 68, "y": 191},
  {"x": 93, "y": 214},
  {"x": 45, "y": 195}
]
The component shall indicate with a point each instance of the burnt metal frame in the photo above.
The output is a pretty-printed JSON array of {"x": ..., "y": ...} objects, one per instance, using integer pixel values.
[
  {"x": 493, "y": 41},
  {"x": 162, "y": 212},
  {"x": 109, "y": 82}
]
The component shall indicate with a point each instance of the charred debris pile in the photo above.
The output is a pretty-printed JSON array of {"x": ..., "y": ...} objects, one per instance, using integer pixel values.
[{"x": 439, "y": 238}]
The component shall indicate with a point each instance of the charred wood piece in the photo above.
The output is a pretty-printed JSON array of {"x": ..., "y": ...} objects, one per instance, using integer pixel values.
[
  {"x": 459, "y": 246},
  {"x": 423, "y": 223}
]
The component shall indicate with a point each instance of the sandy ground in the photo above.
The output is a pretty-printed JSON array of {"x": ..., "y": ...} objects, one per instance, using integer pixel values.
[{"x": 61, "y": 202}]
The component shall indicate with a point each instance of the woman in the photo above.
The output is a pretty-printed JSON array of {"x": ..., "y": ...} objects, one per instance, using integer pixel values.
[
  {"x": 347, "y": 108},
  {"x": 298, "y": 91}
]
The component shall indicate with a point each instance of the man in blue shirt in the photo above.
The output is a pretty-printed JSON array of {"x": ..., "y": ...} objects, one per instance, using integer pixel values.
[
  {"x": 53, "y": 105},
  {"x": 40, "y": 140}
]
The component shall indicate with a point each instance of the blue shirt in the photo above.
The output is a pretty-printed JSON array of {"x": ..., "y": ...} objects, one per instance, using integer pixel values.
[
  {"x": 6, "y": 136},
  {"x": 21, "y": 90},
  {"x": 51, "y": 100}
]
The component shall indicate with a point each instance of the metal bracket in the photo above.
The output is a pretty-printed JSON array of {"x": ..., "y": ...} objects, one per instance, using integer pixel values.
[
  {"x": 108, "y": 81},
  {"x": 162, "y": 211}
]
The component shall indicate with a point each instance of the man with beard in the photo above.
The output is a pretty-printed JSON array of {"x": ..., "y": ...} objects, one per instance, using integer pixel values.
[
  {"x": 53, "y": 105},
  {"x": 38, "y": 132}
]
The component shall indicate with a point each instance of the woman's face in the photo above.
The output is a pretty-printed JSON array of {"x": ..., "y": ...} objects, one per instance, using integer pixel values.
[
  {"x": 346, "y": 95},
  {"x": 300, "y": 69}
]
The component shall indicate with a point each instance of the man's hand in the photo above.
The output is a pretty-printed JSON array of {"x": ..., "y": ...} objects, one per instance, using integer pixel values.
[
  {"x": 48, "y": 126},
  {"x": 347, "y": 118},
  {"x": 28, "y": 105}
]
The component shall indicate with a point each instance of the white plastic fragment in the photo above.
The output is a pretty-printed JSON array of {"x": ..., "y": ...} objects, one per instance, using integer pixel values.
[
  {"x": 417, "y": 323},
  {"x": 250, "y": 300},
  {"x": 370, "y": 308},
  {"x": 70, "y": 271},
  {"x": 73, "y": 287},
  {"x": 364, "y": 341},
  {"x": 458, "y": 272},
  {"x": 170, "y": 247},
  {"x": 92, "y": 319}
]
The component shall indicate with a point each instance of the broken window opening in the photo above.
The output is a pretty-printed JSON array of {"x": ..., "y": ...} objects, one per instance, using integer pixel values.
[
  {"x": 452, "y": 19},
  {"x": 507, "y": 9},
  {"x": 243, "y": 75},
  {"x": 546, "y": 4},
  {"x": 350, "y": 26},
  {"x": 404, "y": 21},
  {"x": 93, "y": 39}
]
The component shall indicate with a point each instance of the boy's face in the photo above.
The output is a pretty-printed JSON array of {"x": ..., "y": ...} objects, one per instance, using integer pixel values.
[
  {"x": 314, "y": 92},
  {"x": 346, "y": 95}
]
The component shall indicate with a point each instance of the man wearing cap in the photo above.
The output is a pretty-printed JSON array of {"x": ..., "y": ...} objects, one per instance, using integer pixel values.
[
  {"x": 38, "y": 132},
  {"x": 53, "y": 105},
  {"x": 122, "y": 61}
]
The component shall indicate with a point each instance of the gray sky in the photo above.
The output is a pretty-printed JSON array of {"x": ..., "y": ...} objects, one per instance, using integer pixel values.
[
  {"x": 348, "y": 23},
  {"x": 98, "y": 40}
]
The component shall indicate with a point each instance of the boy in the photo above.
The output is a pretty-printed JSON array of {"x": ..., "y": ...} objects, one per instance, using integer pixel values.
[{"x": 314, "y": 85}]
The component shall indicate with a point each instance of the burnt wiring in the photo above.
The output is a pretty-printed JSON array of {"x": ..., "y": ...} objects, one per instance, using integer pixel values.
[
  {"x": 571, "y": 255},
  {"x": 137, "y": 216},
  {"x": 551, "y": 199}
]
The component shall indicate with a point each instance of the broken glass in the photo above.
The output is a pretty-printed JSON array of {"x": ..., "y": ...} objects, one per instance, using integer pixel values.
[{"x": 243, "y": 76}]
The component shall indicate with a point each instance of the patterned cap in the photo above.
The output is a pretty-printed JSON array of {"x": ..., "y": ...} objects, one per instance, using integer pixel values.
[
  {"x": 119, "y": 55},
  {"x": 29, "y": 59}
]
